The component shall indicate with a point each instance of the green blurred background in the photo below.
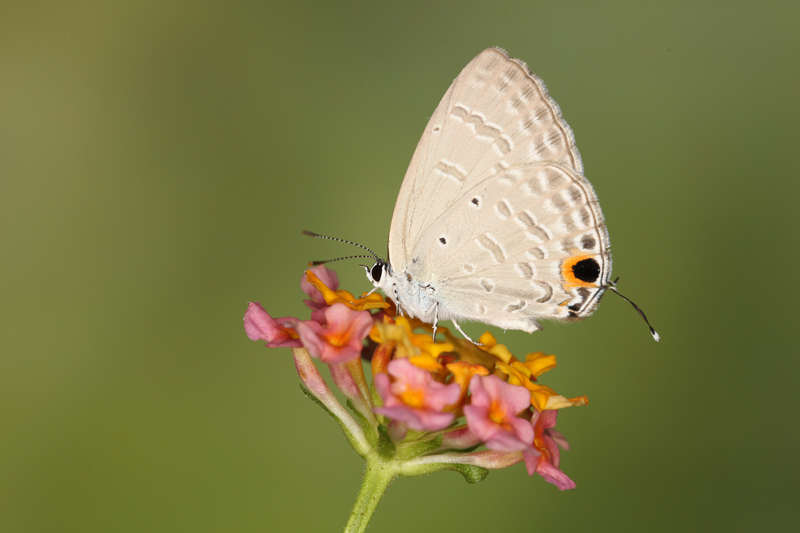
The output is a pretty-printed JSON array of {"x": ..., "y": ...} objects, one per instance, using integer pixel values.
[{"x": 158, "y": 161}]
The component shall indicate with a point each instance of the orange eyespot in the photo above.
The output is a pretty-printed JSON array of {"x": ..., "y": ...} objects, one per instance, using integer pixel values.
[{"x": 580, "y": 271}]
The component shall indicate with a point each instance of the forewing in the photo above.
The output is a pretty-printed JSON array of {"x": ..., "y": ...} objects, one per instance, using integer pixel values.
[{"x": 496, "y": 115}]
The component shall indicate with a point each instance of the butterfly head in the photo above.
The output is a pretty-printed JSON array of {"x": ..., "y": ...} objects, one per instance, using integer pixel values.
[{"x": 378, "y": 273}]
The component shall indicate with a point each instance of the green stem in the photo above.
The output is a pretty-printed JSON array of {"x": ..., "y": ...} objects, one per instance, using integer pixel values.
[{"x": 377, "y": 477}]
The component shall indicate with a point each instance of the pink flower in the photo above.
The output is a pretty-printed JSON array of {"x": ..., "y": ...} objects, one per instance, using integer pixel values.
[
  {"x": 326, "y": 276},
  {"x": 492, "y": 414},
  {"x": 545, "y": 463},
  {"x": 317, "y": 303},
  {"x": 259, "y": 325},
  {"x": 341, "y": 339},
  {"x": 414, "y": 398}
]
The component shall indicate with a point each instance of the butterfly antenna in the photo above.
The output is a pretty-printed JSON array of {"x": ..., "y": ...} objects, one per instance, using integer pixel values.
[
  {"x": 613, "y": 287},
  {"x": 318, "y": 236},
  {"x": 315, "y": 263}
]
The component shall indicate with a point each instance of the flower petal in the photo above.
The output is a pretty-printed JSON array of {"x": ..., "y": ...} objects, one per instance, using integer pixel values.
[
  {"x": 341, "y": 339},
  {"x": 260, "y": 326},
  {"x": 547, "y": 463},
  {"x": 410, "y": 344},
  {"x": 462, "y": 374},
  {"x": 370, "y": 301},
  {"x": 550, "y": 473},
  {"x": 327, "y": 277},
  {"x": 538, "y": 363},
  {"x": 492, "y": 414},
  {"x": 414, "y": 397}
]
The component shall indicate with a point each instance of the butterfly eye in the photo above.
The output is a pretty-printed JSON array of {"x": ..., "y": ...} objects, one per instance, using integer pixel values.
[{"x": 377, "y": 271}]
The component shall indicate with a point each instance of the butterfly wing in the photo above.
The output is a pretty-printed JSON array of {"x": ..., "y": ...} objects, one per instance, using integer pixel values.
[
  {"x": 494, "y": 212},
  {"x": 495, "y": 115},
  {"x": 525, "y": 243}
]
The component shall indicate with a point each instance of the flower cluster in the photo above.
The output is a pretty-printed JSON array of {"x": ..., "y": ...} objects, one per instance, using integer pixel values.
[{"x": 431, "y": 404}]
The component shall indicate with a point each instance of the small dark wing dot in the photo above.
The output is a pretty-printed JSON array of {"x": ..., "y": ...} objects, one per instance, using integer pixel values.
[
  {"x": 442, "y": 240},
  {"x": 475, "y": 201}
]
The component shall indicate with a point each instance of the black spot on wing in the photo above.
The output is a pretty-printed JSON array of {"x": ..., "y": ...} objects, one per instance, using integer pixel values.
[{"x": 587, "y": 270}]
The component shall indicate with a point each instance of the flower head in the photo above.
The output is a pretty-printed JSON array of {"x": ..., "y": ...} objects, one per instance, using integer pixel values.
[
  {"x": 420, "y": 384},
  {"x": 414, "y": 398},
  {"x": 492, "y": 414}
]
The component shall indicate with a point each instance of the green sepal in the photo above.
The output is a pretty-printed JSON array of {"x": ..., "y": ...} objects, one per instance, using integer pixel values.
[
  {"x": 471, "y": 473},
  {"x": 385, "y": 446},
  {"x": 377, "y": 401},
  {"x": 416, "y": 448},
  {"x": 370, "y": 432}
]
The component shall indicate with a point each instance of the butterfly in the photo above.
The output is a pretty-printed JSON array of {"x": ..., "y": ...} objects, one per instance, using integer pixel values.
[{"x": 495, "y": 221}]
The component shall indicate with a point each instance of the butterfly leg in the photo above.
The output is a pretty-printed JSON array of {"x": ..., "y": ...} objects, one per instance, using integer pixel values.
[
  {"x": 397, "y": 301},
  {"x": 435, "y": 319},
  {"x": 465, "y": 335}
]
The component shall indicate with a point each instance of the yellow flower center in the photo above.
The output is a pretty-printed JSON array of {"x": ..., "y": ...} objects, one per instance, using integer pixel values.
[
  {"x": 337, "y": 339},
  {"x": 413, "y": 397},
  {"x": 498, "y": 414}
]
